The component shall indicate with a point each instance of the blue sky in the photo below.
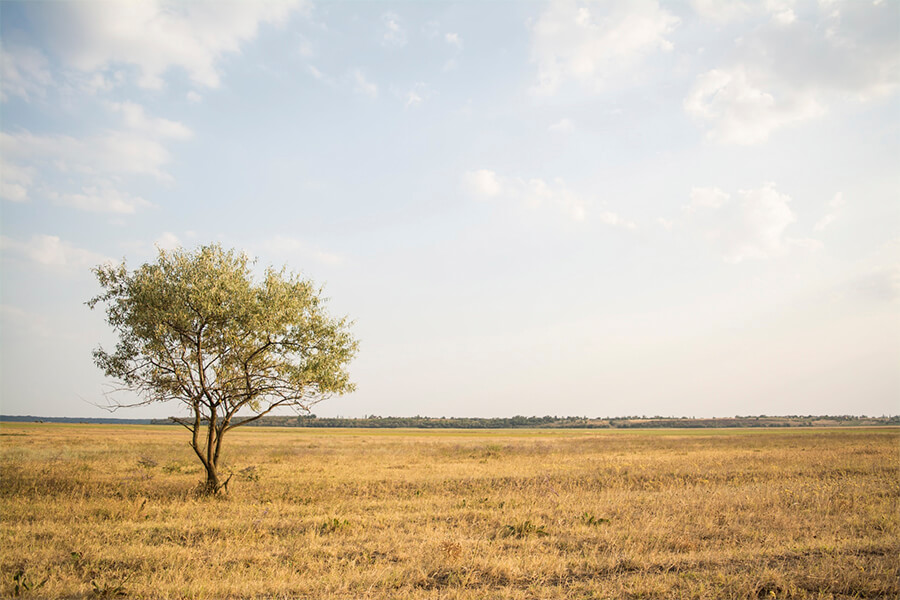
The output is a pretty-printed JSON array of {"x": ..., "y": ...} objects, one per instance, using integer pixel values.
[{"x": 582, "y": 208}]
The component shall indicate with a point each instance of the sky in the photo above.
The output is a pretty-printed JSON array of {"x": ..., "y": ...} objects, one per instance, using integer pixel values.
[{"x": 683, "y": 208}]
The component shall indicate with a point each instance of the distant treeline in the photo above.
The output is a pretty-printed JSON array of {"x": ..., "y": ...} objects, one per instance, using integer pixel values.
[
  {"x": 101, "y": 420},
  {"x": 517, "y": 422},
  {"x": 554, "y": 422},
  {"x": 632, "y": 422}
]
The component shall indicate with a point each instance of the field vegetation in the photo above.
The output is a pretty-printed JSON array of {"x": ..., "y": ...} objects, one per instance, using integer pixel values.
[{"x": 112, "y": 511}]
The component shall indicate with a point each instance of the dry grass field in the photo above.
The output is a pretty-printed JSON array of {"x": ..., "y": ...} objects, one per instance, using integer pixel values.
[{"x": 109, "y": 511}]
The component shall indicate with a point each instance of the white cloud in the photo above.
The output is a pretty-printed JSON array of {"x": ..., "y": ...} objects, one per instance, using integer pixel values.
[
  {"x": 575, "y": 41},
  {"x": 36, "y": 324},
  {"x": 94, "y": 83},
  {"x": 14, "y": 192},
  {"x": 394, "y": 33},
  {"x": 136, "y": 120},
  {"x": 24, "y": 72},
  {"x": 706, "y": 198},
  {"x": 154, "y": 35},
  {"x": 167, "y": 241},
  {"x": 535, "y": 193},
  {"x": 100, "y": 161},
  {"x": 136, "y": 149},
  {"x": 293, "y": 249},
  {"x": 413, "y": 98},
  {"x": 724, "y": 11},
  {"x": 831, "y": 216},
  {"x": 614, "y": 220},
  {"x": 721, "y": 11},
  {"x": 784, "y": 17},
  {"x": 102, "y": 45},
  {"x": 328, "y": 258},
  {"x": 415, "y": 95},
  {"x": 193, "y": 97},
  {"x": 101, "y": 198},
  {"x": 562, "y": 126},
  {"x": 824, "y": 222},
  {"x": 740, "y": 111},
  {"x": 315, "y": 72},
  {"x": 797, "y": 67},
  {"x": 753, "y": 226},
  {"x": 757, "y": 225},
  {"x": 363, "y": 86},
  {"x": 877, "y": 283},
  {"x": 305, "y": 48},
  {"x": 14, "y": 181},
  {"x": 114, "y": 152},
  {"x": 318, "y": 75},
  {"x": 50, "y": 251},
  {"x": 482, "y": 183},
  {"x": 453, "y": 39}
]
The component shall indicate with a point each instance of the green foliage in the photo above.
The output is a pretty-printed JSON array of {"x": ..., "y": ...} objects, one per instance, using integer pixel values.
[
  {"x": 109, "y": 589},
  {"x": 195, "y": 327},
  {"x": 589, "y": 519},
  {"x": 22, "y": 583},
  {"x": 524, "y": 529},
  {"x": 333, "y": 524}
]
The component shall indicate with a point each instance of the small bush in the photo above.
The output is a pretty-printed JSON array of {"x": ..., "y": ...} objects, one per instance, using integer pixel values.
[
  {"x": 250, "y": 473},
  {"x": 524, "y": 529},
  {"x": 589, "y": 519},
  {"x": 146, "y": 462},
  {"x": 114, "y": 589},
  {"x": 333, "y": 524},
  {"x": 22, "y": 583}
]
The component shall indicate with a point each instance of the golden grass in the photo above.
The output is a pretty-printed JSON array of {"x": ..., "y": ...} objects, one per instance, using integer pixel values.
[{"x": 102, "y": 510}]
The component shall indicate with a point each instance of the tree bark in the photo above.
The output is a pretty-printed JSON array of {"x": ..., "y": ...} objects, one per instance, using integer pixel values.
[
  {"x": 210, "y": 458},
  {"x": 213, "y": 485}
]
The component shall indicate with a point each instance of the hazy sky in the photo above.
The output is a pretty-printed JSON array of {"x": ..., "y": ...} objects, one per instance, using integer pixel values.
[{"x": 572, "y": 208}]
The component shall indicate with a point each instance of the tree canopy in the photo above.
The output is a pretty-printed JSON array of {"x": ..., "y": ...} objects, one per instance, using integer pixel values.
[{"x": 195, "y": 327}]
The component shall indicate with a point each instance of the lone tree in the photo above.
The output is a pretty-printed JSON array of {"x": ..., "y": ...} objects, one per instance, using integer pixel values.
[{"x": 196, "y": 327}]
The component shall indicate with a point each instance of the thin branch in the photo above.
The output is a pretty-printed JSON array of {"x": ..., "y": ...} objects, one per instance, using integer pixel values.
[
  {"x": 183, "y": 422},
  {"x": 263, "y": 413}
]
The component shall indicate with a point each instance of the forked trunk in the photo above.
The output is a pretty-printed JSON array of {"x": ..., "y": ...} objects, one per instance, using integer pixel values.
[
  {"x": 213, "y": 485},
  {"x": 208, "y": 452}
]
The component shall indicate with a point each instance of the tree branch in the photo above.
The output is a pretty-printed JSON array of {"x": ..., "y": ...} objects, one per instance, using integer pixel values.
[{"x": 262, "y": 414}]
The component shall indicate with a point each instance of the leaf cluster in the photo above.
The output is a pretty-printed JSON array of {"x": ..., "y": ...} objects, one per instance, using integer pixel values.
[{"x": 195, "y": 326}]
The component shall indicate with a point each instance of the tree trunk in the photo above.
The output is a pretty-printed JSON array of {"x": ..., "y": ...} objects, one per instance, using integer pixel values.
[
  {"x": 209, "y": 455},
  {"x": 213, "y": 485}
]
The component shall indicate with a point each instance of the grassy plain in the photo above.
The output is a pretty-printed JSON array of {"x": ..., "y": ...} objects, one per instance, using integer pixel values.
[{"x": 105, "y": 511}]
